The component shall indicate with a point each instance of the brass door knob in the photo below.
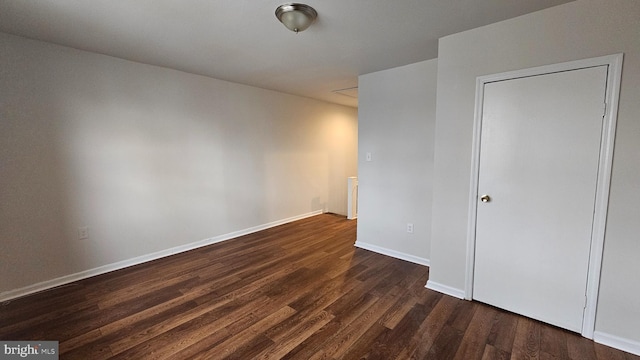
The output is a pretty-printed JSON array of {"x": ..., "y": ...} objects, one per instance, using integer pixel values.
[{"x": 485, "y": 198}]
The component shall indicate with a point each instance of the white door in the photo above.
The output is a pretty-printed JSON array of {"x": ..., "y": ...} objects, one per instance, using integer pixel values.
[{"x": 539, "y": 155}]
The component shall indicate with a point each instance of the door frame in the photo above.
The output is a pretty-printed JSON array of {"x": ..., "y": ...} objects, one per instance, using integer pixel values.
[{"x": 614, "y": 74}]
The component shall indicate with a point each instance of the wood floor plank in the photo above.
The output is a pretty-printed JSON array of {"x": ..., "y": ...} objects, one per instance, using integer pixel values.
[
  {"x": 462, "y": 315},
  {"x": 476, "y": 335},
  {"x": 606, "y": 353},
  {"x": 425, "y": 336},
  {"x": 241, "y": 339},
  {"x": 493, "y": 353},
  {"x": 295, "y": 291},
  {"x": 580, "y": 348},
  {"x": 553, "y": 341},
  {"x": 296, "y": 335},
  {"x": 211, "y": 325},
  {"x": 103, "y": 340},
  {"x": 445, "y": 346},
  {"x": 347, "y": 336},
  {"x": 526, "y": 344},
  {"x": 391, "y": 342},
  {"x": 503, "y": 331},
  {"x": 26, "y": 311},
  {"x": 360, "y": 348},
  {"x": 398, "y": 311}
]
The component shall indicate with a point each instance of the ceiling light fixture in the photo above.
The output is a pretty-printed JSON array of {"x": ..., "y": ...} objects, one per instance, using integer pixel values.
[{"x": 296, "y": 17}]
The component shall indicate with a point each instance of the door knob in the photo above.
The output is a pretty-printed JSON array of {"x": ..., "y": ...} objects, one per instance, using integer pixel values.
[{"x": 485, "y": 198}]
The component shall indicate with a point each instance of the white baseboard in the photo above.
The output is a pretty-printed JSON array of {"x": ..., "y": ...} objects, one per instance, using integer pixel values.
[
  {"x": 45, "y": 285},
  {"x": 630, "y": 346},
  {"x": 445, "y": 289},
  {"x": 393, "y": 253}
]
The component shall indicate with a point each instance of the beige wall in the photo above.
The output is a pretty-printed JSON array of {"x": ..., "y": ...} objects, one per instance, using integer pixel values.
[
  {"x": 396, "y": 123},
  {"x": 581, "y": 29},
  {"x": 149, "y": 159}
]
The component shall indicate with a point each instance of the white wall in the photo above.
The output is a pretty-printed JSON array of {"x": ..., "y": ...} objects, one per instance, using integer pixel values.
[
  {"x": 396, "y": 125},
  {"x": 577, "y": 30},
  {"x": 149, "y": 159}
]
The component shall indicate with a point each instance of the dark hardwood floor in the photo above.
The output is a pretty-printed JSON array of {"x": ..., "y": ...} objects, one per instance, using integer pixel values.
[{"x": 296, "y": 291}]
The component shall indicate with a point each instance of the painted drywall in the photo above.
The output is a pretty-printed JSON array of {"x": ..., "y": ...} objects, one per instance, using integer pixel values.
[
  {"x": 578, "y": 30},
  {"x": 396, "y": 125},
  {"x": 149, "y": 159}
]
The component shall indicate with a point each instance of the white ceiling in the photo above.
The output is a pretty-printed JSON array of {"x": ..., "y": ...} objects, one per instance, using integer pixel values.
[{"x": 242, "y": 41}]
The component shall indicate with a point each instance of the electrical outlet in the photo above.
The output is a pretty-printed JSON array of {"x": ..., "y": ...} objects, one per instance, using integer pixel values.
[
  {"x": 410, "y": 228},
  {"x": 83, "y": 233}
]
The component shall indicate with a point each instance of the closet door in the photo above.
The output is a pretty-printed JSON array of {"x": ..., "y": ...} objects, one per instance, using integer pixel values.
[{"x": 539, "y": 155}]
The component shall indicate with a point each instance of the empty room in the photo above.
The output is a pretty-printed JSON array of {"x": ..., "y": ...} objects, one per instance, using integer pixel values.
[{"x": 320, "y": 180}]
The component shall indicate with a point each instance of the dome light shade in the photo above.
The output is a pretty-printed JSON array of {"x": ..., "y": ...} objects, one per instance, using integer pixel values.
[{"x": 296, "y": 17}]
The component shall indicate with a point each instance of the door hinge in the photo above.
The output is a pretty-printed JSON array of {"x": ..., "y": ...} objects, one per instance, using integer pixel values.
[
  {"x": 604, "y": 108},
  {"x": 584, "y": 306}
]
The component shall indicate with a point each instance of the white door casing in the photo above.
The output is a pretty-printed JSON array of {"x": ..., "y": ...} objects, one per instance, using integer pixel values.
[{"x": 526, "y": 218}]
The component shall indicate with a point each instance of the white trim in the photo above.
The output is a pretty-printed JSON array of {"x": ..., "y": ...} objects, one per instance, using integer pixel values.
[
  {"x": 630, "y": 346},
  {"x": 473, "y": 191},
  {"x": 448, "y": 290},
  {"x": 45, "y": 285},
  {"x": 602, "y": 193},
  {"x": 614, "y": 63},
  {"x": 393, "y": 253}
]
